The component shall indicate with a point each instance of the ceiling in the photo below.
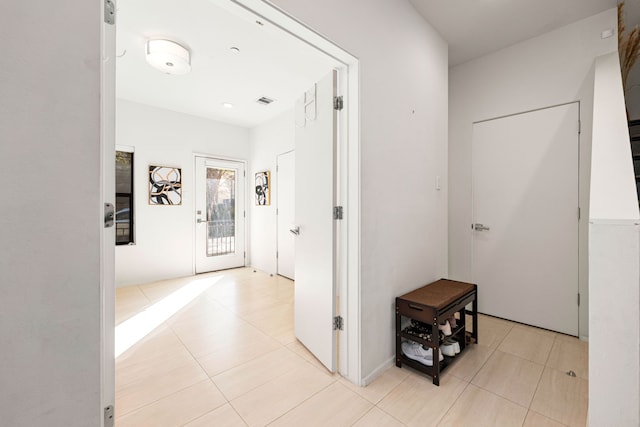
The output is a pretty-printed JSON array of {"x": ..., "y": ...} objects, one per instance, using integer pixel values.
[
  {"x": 268, "y": 63},
  {"x": 476, "y": 27},
  {"x": 273, "y": 64}
]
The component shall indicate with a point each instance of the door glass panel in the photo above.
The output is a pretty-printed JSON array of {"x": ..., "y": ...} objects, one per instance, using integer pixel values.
[{"x": 221, "y": 211}]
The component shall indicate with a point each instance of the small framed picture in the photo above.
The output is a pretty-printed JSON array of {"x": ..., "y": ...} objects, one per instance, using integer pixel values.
[
  {"x": 263, "y": 188},
  {"x": 165, "y": 185}
]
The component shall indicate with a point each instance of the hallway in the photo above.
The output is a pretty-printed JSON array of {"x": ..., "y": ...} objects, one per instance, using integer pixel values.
[{"x": 230, "y": 358}]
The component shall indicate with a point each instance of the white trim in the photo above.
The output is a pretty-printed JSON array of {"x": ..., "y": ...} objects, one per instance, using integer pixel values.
[
  {"x": 291, "y": 25},
  {"x": 349, "y": 278},
  {"x": 217, "y": 157},
  {"x": 621, "y": 222},
  {"x": 377, "y": 372}
]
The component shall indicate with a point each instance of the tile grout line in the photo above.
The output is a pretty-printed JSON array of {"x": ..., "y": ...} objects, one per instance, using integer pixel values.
[
  {"x": 493, "y": 352},
  {"x": 210, "y": 377},
  {"x": 200, "y": 365},
  {"x": 173, "y": 332},
  {"x": 519, "y": 357},
  {"x": 453, "y": 403},
  {"x": 160, "y": 398},
  {"x": 391, "y": 415},
  {"x": 301, "y": 403}
]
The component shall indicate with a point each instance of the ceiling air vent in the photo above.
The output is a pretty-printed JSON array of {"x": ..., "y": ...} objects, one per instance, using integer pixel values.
[{"x": 264, "y": 100}]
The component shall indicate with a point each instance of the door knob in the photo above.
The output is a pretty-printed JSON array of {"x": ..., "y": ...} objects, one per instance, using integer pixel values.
[
  {"x": 295, "y": 230},
  {"x": 480, "y": 227},
  {"x": 200, "y": 221}
]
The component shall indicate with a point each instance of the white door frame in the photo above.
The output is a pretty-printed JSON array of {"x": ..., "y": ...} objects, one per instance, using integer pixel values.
[
  {"x": 348, "y": 191},
  {"x": 107, "y": 195},
  {"x": 278, "y": 214},
  {"x": 348, "y": 243}
]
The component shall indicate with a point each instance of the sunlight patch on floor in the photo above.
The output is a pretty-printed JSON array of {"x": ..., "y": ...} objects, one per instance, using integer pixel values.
[{"x": 129, "y": 332}]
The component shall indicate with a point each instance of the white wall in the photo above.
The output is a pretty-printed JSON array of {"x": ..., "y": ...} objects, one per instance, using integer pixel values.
[
  {"x": 275, "y": 137},
  {"x": 614, "y": 258},
  {"x": 551, "y": 69},
  {"x": 50, "y": 214},
  {"x": 613, "y": 190},
  {"x": 403, "y": 122},
  {"x": 164, "y": 239}
]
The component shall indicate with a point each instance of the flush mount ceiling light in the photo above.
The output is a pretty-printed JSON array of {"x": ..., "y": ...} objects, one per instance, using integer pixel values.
[
  {"x": 168, "y": 57},
  {"x": 227, "y": 105}
]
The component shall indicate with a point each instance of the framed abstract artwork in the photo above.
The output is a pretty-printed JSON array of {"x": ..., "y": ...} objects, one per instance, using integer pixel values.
[
  {"x": 165, "y": 185},
  {"x": 263, "y": 188}
]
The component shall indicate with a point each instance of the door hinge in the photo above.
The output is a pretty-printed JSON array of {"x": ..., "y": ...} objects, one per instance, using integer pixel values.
[
  {"x": 338, "y": 103},
  {"x": 277, "y": 254},
  {"x": 579, "y": 213},
  {"x": 109, "y": 12},
  {"x": 245, "y": 254},
  {"x": 108, "y": 416},
  {"x": 578, "y": 299},
  {"x": 244, "y": 214},
  {"x": 579, "y": 127},
  {"x": 338, "y": 323},
  {"x": 338, "y": 212}
]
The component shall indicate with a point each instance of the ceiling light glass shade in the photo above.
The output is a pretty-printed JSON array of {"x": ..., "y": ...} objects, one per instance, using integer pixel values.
[{"x": 168, "y": 57}]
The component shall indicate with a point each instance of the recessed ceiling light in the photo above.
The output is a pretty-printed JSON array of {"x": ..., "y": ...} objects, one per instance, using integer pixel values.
[
  {"x": 227, "y": 105},
  {"x": 234, "y": 49}
]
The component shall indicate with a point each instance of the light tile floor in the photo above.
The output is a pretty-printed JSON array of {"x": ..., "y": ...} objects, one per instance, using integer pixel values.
[{"x": 230, "y": 358}]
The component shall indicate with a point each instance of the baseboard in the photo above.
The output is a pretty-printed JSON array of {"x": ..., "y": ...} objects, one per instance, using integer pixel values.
[{"x": 377, "y": 372}]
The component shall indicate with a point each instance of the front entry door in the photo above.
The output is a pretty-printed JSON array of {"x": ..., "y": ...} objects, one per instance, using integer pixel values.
[
  {"x": 525, "y": 215},
  {"x": 219, "y": 214},
  {"x": 315, "y": 189},
  {"x": 285, "y": 168}
]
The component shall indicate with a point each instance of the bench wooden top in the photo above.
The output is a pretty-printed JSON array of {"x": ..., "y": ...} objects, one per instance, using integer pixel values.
[{"x": 439, "y": 294}]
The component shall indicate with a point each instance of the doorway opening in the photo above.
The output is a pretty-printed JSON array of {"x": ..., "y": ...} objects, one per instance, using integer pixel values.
[{"x": 161, "y": 151}]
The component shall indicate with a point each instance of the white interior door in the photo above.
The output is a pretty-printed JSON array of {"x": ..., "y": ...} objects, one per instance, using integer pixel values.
[
  {"x": 219, "y": 214},
  {"x": 286, "y": 168},
  {"x": 525, "y": 192},
  {"x": 315, "y": 185}
]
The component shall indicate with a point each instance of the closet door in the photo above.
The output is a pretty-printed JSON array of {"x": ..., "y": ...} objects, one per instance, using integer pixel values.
[{"x": 525, "y": 217}]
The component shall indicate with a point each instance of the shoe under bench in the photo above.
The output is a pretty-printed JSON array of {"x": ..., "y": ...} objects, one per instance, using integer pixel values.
[{"x": 432, "y": 305}]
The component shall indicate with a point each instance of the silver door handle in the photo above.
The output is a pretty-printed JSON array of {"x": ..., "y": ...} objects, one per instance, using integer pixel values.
[
  {"x": 200, "y": 221},
  {"x": 295, "y": 231},
  {"x": 480, "y": 227}
]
